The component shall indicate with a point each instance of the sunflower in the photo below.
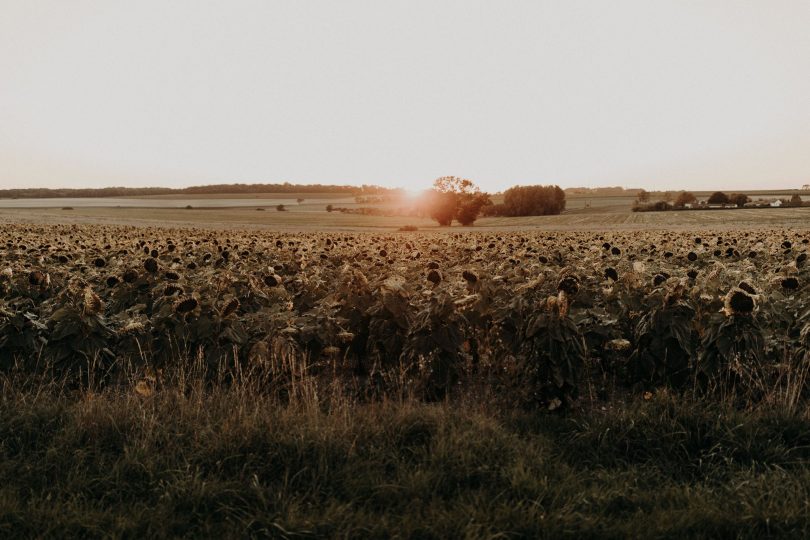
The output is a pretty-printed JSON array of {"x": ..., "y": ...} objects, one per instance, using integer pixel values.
[
  {"x": 569, "y": 285},
  {"x": 150, "y": 265},
  {"x": 739, "y": 302},
  {"x": 185, "y": 305},
  {"x": 230, "y": 307},
  {"x": 790, "y": 283}
]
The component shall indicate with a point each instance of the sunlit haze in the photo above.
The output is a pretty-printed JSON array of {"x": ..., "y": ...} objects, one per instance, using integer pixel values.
[{"x": 656, "y": 94}]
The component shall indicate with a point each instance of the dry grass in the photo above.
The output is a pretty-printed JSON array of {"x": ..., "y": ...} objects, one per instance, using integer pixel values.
[
  {"x": 315, "y": 218},
  {"x": 230, "y": 461}
]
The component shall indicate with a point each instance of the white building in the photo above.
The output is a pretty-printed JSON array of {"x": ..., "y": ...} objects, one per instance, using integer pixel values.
[{"x": 776, "y": 203}]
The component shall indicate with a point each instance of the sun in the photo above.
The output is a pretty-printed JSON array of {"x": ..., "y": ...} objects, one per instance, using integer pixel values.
[{"x": 413, "y": 193}]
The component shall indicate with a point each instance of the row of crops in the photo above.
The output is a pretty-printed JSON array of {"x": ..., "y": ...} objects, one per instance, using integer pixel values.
[{"x": 538, "y": 314}]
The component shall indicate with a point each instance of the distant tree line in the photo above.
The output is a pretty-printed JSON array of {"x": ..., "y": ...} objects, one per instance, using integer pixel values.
[
  {"x": 286, "y": 187},
  {"x": 737, "y": 199},
  {"x": 685, "y": 199},
  {"x": 614, "y": 191}
]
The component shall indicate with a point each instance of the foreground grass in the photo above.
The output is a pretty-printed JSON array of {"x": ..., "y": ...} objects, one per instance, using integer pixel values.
[{"x": 230, "y": 463}]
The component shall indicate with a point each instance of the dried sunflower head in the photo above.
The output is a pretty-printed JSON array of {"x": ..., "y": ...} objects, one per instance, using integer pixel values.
[
  {"x": 790, "y": 283},
  {"x": 345, "y": 337},
  {"x": 150, "y": 265},
  {"x": 230, "y": 307},
  {"x": 186, "y": 305},
  {"x": 617, "y": 345},
  {"x": 92, "y": 303},
  {"x": 37, "y": 278},
  {"x": 569, "y": 285},
  {"x": 435, "y": 277},
  {"x": 738, "y": 302},
  {"x": 132, "y": 327},
  {"x": 171, "y": 289},
  {"x": 747, "y": 287}
]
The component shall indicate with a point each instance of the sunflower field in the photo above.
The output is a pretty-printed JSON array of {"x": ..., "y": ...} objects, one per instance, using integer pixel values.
[{"x": 540, "y": 317}]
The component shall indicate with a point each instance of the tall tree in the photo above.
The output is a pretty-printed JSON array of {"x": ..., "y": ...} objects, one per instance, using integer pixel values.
[{"x": 455, "y": 198}]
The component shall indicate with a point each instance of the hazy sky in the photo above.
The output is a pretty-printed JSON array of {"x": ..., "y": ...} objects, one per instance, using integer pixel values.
[{"x": 657, "y": 94}]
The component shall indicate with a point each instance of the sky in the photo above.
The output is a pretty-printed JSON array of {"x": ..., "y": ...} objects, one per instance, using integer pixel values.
[{"x": 660, "y": 94}]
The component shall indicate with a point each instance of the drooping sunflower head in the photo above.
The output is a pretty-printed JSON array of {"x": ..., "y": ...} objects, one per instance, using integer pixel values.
[
  {"x": 739, "y": 302},
  {"x": 747, "y": 287},
  {"x": 790, "y": 283},
  {"x": 569, "y": 285},
  {"x": 150, "y": 265},
  {"x": 230, "y": 307},
  {"x": 185, "y": 305}
]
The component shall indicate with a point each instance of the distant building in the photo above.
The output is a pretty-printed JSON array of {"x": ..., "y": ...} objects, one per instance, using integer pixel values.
[{"x": 776, "y": 203}]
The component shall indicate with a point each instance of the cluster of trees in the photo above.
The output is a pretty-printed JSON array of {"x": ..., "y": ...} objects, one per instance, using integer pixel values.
[
  {"x": 679, "y": 199},
  {"x": 668, "y": 201},
  {"x": 683, "y": 198},
  {"x": 459, "y": 199},
  {"x": 737, "y": 199},
  {"x": 529, "y": 201}
]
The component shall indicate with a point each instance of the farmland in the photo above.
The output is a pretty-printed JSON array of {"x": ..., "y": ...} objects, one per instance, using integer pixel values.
[
  {"x": 523, "y": 378},
  {"x": 226, "y": 212}
]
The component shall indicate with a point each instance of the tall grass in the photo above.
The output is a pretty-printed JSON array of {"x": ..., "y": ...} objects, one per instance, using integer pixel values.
[{"x": 225, "y": 458}]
